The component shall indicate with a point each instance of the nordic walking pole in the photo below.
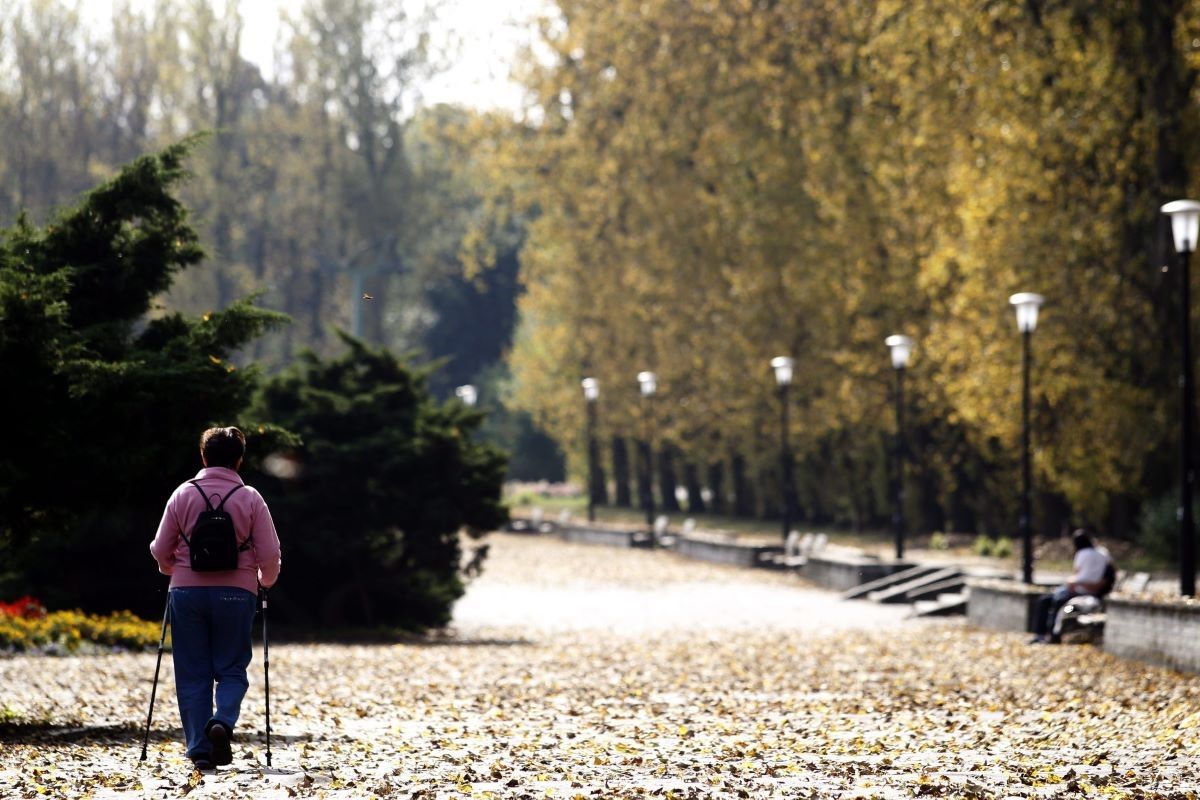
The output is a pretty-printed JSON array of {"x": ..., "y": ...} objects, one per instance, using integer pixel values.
[
  {"x": 154, "y": 689},
  {"x": 262, "y": 591}
]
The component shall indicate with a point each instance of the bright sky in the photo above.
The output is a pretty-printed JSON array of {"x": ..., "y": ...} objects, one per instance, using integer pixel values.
[{"x": 490, "y": 32}]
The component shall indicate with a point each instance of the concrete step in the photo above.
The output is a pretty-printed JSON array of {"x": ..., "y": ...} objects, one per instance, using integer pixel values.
[
  {"x": 944, "y": 606},
  {"x": 931, "y": 591},
  {"x": 898, "y": 592},
  {"x": 864, "y": 589}
]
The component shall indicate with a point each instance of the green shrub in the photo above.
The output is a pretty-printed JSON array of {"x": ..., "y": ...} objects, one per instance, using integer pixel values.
[
  {"x": 389, "y": 477},
  {"x": 939, "y": 541},
  {"x": 984, "y": 546},
  {"x": 1158, "y": 528},
  {"x": 1002, "y": 548}
]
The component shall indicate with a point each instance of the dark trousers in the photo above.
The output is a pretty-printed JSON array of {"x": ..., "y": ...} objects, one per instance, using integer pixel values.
[{"x": 1047, "y": 609}]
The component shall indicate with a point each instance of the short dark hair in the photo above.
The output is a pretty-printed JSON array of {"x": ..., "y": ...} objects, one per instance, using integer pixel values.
[
  {"x": 222, "y": 447},
  {"x": 1083, "y": 539}
]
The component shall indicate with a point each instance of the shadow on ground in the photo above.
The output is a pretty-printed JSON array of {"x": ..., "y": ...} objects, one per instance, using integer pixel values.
[{"x": 66, "y": 733}]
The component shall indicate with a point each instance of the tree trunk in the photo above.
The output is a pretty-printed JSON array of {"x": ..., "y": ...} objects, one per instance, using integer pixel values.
[
  {"x": 716, "y": 484},
  {"x": 620, "y": 462},
  {"x": 645, "y": 475},
  {"x": 769, "y": 488},
  {"x": 852, "y": 485},
  {"x": 691, "y": 481},
  {"x": 743, "y": 494},
  {"x": 1121, "y": 517},
  {"x": 666, "y": 479}
]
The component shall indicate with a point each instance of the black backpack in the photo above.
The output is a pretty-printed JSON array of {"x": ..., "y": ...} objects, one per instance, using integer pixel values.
[
  {"x": 1108, "y": 581},
  {"x": 213, "y": 544}
]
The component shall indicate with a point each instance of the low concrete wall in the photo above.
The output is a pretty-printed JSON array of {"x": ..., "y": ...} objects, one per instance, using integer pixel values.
[
  {"x": 1002, "y": 605},
  {"x": 724, "y": 552},
  {"x": 610, "y": 537},
  {"x": 841, "y": 572},
  {"x": 1164, "y": 632}
]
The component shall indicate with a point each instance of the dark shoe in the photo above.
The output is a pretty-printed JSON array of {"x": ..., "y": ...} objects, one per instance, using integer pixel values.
[
  {"x": 1039, "y": 639},
  {"x": 219, "y": 736},
  {"x": 203, "y": 764}
]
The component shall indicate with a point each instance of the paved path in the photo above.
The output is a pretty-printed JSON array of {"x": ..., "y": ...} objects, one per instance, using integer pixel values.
[
  {"x": 588, "y": 672},
  {"x": 540, "y": 587}
]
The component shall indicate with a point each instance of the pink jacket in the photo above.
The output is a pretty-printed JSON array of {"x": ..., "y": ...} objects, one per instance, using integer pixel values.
[{"x": 251, "y": 519}]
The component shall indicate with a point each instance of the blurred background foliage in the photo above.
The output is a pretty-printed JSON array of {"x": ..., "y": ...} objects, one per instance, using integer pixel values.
[
  {"x": 319, "y": 180},
  {"x": 691, "y": 188}
]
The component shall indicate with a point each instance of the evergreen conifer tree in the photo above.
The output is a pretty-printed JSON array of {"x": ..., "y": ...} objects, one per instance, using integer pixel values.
[
  {"x": 386, "y": 479},
  {"x": 106, "y": 396}
]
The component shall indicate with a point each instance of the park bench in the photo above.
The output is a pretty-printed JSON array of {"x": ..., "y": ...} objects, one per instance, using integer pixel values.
[
  {"x": 663, "y": 537},
  {"x": 799, "y": 548},
  {"x": 657, "y": 536},
  {"x": 1082, "y": 617},
  {"x": 537, "y": 522}
]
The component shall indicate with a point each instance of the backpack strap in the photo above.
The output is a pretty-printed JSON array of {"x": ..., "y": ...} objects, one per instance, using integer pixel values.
[
  {"x": 207, "y": 504},
  {"x": 231, "y": 491}
]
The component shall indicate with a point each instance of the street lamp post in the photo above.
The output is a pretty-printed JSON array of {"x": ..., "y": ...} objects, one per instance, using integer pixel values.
[
  {"x": 901, "y": 348},
  {"x": 1185, "y": 225},
  {"x": 783, "y": 366},
  {"x": 591, "y": 393},
  {"x": 648, "y": 383},
  {"x": 467, "y": 393},
  {"x": 1026, "y": 305}
]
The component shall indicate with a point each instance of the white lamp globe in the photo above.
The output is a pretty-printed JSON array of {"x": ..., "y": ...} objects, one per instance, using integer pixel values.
[
  {"x": 1027, "y": 305},
  {"x": 467, "y": 394},
  {"x": 783, "y": 366},
  {"x": 1185, "y": 223},
  {"x": 901, "y": 348}
]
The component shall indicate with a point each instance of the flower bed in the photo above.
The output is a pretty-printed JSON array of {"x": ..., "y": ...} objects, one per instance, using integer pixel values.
[{"x": 26, "y": 626}]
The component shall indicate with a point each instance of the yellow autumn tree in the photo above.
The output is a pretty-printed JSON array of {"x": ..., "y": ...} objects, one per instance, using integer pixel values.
[{"x": 717, "y": 184}]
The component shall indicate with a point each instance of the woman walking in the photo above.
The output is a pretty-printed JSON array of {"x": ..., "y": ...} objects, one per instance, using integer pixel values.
[{"x": 214, "y": 586}]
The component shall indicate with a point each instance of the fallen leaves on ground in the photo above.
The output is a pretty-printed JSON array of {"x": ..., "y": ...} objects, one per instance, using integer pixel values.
[{"x": 883, "y": 708}]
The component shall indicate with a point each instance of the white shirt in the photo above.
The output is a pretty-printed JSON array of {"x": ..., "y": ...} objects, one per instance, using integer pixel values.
[{"x": 1090, "y": 564}]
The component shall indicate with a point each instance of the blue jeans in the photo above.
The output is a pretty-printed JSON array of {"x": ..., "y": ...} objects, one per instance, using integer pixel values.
[{"x": 210, "y": 643}]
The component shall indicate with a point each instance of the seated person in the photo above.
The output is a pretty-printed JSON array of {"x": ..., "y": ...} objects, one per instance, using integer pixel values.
[{"x": 1093, "y": 574}]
